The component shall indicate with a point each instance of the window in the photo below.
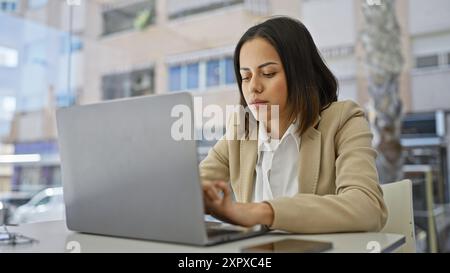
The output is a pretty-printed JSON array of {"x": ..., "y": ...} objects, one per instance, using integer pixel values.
[
  {"x": 212, "y": 73},
  {"x": 9, "y": 57},
  {"x": 229, "y": 71},
  {"x": 125, "y": 18},
  {"x": 76, "y": 44},
  {"x": 422, "y": 124},
  {"x": 8, "y": 5},
  {"x": 427, "y": 61},
  {"x": 43, "y": 201},
  {"x": 36, "y": 4},
  {"x": 130, "y": 84},
  {"x": 7, "y": 109},
  {"x": 183, "y": 77},
  {"x": 65, "y": 99},
  {"x": 175, "y": 78},
  {"x": 192, "y": 76},
  {"x": 202, "y": 74},
  {"x": 141, "y": 82}
]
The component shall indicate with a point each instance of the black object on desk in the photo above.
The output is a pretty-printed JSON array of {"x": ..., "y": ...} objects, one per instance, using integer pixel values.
[{"x": 290, "y": 246}]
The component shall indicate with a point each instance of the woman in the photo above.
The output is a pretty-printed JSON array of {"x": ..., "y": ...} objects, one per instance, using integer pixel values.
[{"x": 315, "y": 172}]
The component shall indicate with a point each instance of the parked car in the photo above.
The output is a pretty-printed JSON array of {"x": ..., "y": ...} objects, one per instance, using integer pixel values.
[
  {"x": 15, "y": 199},
  {"x": 2, "y": 214},
  {"x": 10, "y": 201},
  {"x": 46, "y": 205}
]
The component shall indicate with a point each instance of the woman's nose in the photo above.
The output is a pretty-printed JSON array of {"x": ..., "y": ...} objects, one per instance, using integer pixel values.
[{"x": 256, "y": 85}]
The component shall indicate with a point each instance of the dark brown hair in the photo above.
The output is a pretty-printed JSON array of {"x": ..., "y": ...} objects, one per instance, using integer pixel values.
[{"x": 312, "y": 87}]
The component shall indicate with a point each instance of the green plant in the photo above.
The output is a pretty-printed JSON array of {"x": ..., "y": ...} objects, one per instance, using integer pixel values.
[{"x": 143, "y": 19}]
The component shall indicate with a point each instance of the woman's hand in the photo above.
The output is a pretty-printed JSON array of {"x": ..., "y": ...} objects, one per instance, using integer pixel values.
[{"x": 218, "y": 203}]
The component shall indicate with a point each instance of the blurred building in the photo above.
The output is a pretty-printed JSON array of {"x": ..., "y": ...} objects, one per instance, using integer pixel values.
[{"x": 94, "y": 50}]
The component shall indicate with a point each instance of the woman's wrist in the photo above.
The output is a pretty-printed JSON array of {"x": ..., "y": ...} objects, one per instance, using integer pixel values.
[{"x": 264, "y": 213}]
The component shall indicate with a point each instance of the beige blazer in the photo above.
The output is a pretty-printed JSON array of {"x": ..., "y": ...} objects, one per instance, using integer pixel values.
[{"x": 338, "y": 181}]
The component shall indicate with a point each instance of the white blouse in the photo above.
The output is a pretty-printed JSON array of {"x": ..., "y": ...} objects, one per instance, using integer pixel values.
[{"x": 277, "y": 165}]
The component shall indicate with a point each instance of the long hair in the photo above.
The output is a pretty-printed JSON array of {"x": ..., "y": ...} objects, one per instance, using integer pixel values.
[{"x": 312, "y": 87}]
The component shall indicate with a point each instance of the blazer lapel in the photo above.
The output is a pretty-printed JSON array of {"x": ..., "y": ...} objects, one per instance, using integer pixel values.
[
  {"x": 309, "y": 165},
  {"x": 248, "y": 156},
  {"x": 309, "y": 159}
]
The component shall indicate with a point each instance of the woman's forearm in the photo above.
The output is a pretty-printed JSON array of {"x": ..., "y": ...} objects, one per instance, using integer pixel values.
[{"x": 262, "y": 213}]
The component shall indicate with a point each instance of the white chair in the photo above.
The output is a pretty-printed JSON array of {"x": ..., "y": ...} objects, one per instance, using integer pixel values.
[{"x": 399, "y": 202}]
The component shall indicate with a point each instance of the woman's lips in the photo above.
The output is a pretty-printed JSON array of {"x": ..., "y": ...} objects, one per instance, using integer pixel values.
[{"x": 259, "y": 102}]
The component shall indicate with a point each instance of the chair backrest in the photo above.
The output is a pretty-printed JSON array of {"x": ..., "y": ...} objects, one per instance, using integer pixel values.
[{"x": 399, "y": 202}]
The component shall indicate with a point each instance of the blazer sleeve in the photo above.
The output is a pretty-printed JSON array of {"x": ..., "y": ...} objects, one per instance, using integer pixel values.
[
  {"x": 216, "y": 166},
  {"x": 357, "y": 204}
]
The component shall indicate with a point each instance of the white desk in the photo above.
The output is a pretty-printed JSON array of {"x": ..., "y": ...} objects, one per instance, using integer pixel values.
[{"x": 55, "y": 237}]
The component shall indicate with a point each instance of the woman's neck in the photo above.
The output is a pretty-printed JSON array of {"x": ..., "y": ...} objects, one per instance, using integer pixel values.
[{"x": 278, "y": 131}]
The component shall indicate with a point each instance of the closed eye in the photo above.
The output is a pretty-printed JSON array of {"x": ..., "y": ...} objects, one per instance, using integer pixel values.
[{"x": 269, "y": 75}]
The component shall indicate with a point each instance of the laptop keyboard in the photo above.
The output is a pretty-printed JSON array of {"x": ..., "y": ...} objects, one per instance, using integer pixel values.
[
  {"x": 219, "y": 232},
  {"x": 223, "y": 232}
]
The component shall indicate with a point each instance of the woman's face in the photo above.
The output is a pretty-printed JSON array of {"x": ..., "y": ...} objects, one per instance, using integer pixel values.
[{"x": 263, "y": 79}]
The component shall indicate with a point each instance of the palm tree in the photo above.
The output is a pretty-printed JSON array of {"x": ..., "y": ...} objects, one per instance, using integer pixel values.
[{"x": 383, "y": 58}]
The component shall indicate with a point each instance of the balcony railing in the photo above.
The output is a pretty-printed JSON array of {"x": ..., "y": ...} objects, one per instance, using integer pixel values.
[
  {"x": 122, "y": 16},
  {"x": 178, "y": 9}
]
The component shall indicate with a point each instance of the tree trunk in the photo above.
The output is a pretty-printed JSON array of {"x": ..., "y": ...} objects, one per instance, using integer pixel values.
[{"x": 384, "y": 61}]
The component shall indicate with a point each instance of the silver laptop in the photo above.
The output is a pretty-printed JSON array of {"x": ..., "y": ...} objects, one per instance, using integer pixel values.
[{"x": 124, "y": 175}]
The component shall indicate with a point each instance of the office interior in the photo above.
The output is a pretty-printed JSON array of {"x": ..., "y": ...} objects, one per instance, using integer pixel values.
[{"x": 61, "y": 53}]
